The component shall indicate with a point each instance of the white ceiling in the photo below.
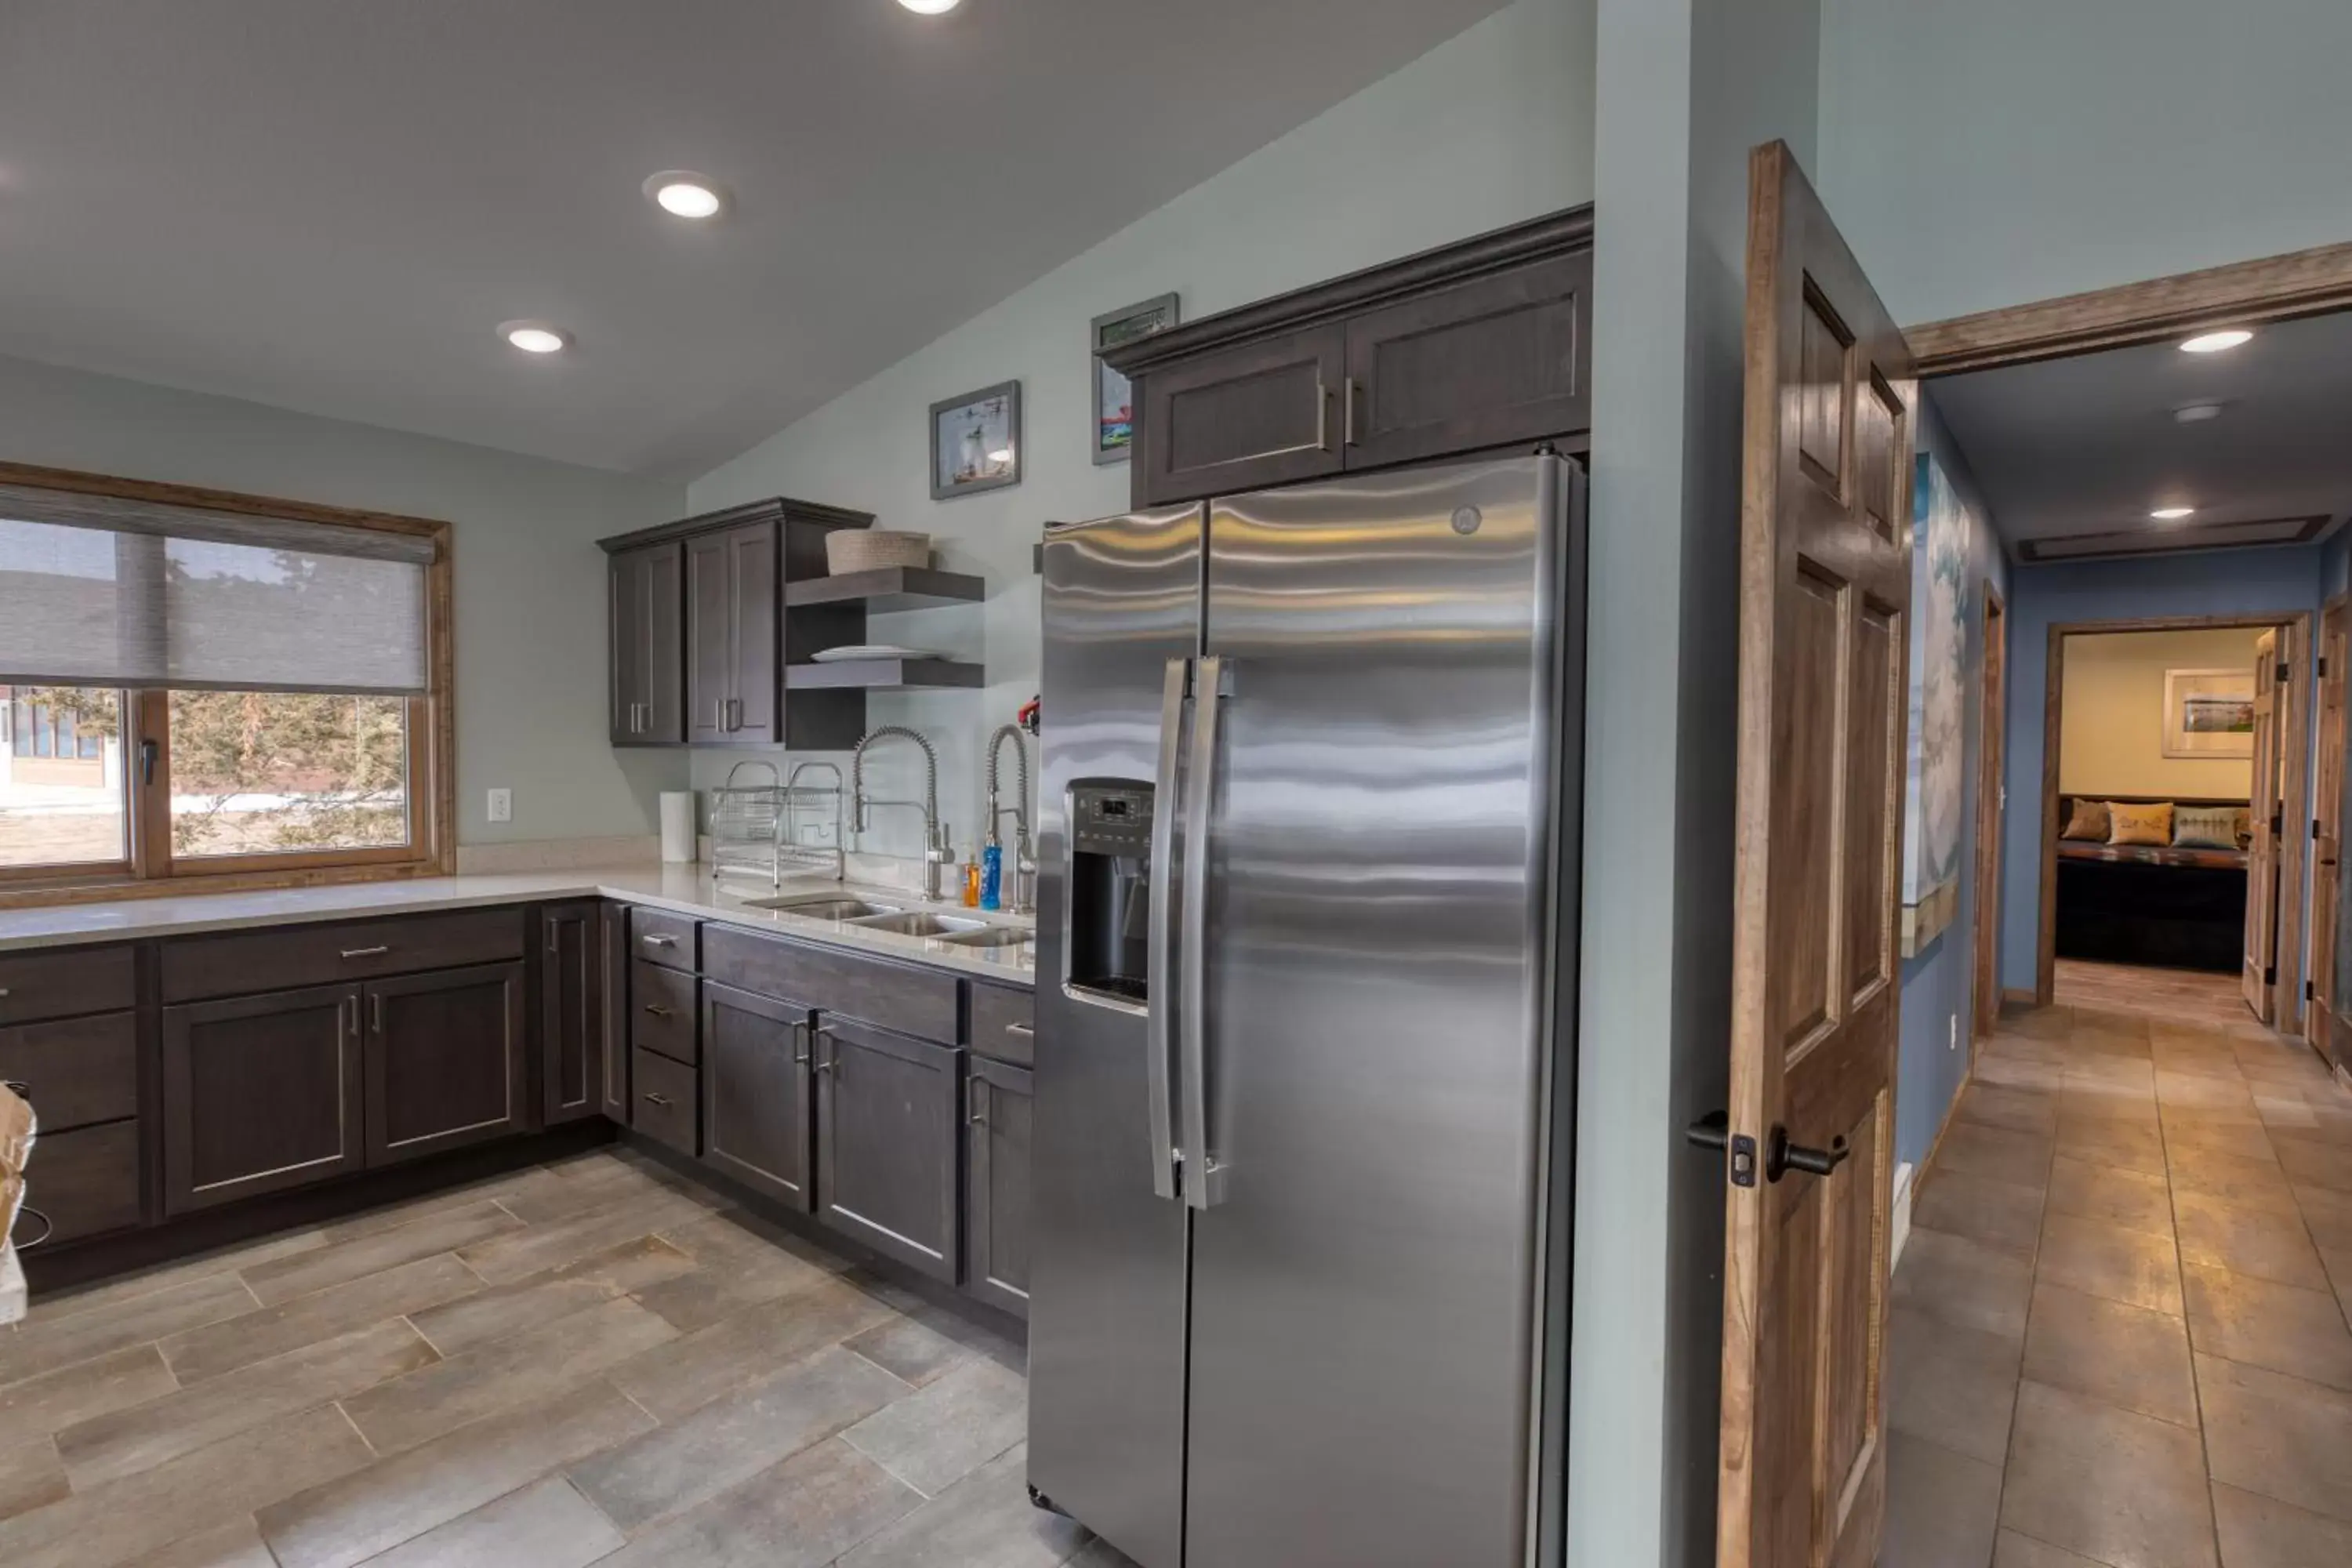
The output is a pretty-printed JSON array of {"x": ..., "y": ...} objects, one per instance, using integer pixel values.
[
  {"x": 2086, "y": 445},
  {"x": 331, "y": 204}
]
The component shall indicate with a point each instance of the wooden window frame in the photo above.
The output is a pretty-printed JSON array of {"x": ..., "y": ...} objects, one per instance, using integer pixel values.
[{"x": 151, "y": 869}]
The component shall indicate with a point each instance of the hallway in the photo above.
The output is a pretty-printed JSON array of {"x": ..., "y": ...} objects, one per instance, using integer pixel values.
[{"x": 2120, "y": 1331}]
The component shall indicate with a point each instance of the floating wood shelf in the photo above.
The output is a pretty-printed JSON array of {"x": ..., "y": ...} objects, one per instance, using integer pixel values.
[
  {"x": 888, "y": 588},
  {"x": 881, "y": 674}
]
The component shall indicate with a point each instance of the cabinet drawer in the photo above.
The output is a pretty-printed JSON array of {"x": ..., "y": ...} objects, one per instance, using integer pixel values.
[
  {"x": 1002, "y": 1024},
  {"x": 75, "y": 1070},
  {"x": 665, "y": 1098},
  {"x": 913, "y": 1001},
  {"x": 663, "y": 938},
  {"x": 86, "y": 1182},
  {"x": 65, "y": 982},
  {"x": 290, "y": 957},
  {"x": 662, "y": 1013}
]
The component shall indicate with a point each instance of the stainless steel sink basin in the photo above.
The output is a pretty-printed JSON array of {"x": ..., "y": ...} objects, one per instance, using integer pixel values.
[
  {"x": 990, "y": 936},
  {"x": 823, "y": 907},
  {"x": 918, "y": 922}
]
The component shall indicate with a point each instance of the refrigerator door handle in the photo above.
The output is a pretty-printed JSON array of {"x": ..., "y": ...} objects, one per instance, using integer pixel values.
[
  {"x": 1159, "y": 1047},
  {"x": 1204, "y": 1175}
]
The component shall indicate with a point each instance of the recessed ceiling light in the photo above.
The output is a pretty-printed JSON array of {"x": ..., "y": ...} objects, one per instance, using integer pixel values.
[
  {"x": 682, "y": 193},
  {"x": 931, "y": 7},
  {"x": 2214, "y": 342},
  {"x": 2196, "y": 413},
  {"x": 535, "y": 337},
  {"x": 2172, "y": 513}
]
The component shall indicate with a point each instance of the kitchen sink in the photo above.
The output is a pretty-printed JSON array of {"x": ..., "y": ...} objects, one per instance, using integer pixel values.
[
  {"x": 991, "y": 936},
  {"x": 823, "y": 907},
  {"x": 917, "y": 922}
]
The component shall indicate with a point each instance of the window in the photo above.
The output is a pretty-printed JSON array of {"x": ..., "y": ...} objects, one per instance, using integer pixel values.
[{"x": 201, "y": 685}]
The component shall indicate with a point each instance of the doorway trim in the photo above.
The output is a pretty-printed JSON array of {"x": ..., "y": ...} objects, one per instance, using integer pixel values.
[
  {"x": 2275, "y": 288},
  {"x": 2329, "y": 846},
  {"x": 2294, "y": 627},
  {"x": 1992, "y": 757}
]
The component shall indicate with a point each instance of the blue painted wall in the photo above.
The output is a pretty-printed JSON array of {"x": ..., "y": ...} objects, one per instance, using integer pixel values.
[
  {"x": 1938, "y": 983},
  {"x": 2229, "y": 581}
]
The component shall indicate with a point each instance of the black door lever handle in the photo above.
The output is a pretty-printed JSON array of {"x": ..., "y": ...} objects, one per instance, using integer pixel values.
[
  {"x": 1712, "y": 1131},
  {"x": 1781, "y": 1156}
]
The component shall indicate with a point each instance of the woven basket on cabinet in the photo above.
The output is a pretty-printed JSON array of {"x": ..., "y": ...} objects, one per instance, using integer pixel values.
[{"x": 871, "y": 549}]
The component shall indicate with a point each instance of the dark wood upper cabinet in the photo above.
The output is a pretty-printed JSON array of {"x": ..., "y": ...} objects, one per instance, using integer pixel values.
[
  {"x": 571, "y": 1012},
  {"x": 447, "y": 1061},
  {"x": 732, "y": 651},
  {"x": 648, "y": 637},
  {"x": 1472, "y": 347},
  {"x": 756, "y": 1121},
  {"x": 701, "y": 635},
  {"x": 1484, "y": 364},
  {"x": 887, "y": 1117},
  {"x": 1243, "y": 418},
  {"x": 261, "y": 1094},
  {"x": 997, "y": 1102}
]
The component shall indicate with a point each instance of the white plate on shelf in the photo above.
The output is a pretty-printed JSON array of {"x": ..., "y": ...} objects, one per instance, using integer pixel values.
[{"x": 872, "y": 650}]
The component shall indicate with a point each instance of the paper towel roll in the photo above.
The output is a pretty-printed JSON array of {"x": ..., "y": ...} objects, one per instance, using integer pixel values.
[{"x": 677, "y": 826}]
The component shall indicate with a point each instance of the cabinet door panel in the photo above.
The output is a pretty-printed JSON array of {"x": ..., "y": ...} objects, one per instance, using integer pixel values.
[
  {"x": 614, "y": 925},
  {"x": 261, "y": 1094},
  {"x": 570, "y": 1013},
  {"x": 649, "y": 645},
  {"x": 446, "y": 1061},
  {"x": 887, "y": 1127},
  {"x": 754, "y": 683},
  {"x": 1250, "y": 416},
  {"x": 709, "y": 651},
  {"x": 1499, "y": 359},
  {"x": 755, "y": 1100},
  {"x": 997, "y": 1101}
]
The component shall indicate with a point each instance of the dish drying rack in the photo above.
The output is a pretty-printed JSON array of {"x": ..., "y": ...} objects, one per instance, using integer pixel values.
[{"x": 757, "y": 827}]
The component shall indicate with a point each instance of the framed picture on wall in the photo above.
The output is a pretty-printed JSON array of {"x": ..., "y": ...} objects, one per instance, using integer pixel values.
[
  {"x": 1114, "y": 432},
  {"x": 2209, "y": 713},
  {"x": 976, "y": 441}
]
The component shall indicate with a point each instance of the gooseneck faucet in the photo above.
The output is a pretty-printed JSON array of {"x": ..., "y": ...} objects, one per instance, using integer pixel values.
[
  {"x": 935, "y": 851},
  {"x": 1024, "y": 863}
]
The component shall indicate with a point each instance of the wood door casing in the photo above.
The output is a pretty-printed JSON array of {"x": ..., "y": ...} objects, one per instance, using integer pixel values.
[
  {"x": 2258, "y": 975},
  {"x": 1824, "y": 602},
  {"x": 1993, "y": 753},
  {"x": 2327, "y": 819}
]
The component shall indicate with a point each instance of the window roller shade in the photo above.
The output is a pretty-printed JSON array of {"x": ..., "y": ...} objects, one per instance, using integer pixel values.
[{"x": 97, "y": 590}]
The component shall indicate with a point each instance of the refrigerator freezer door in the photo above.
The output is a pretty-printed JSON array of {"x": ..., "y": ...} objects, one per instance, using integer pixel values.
[
  {"x": 1108, "y": 1265},
  {"x": 1365, "y": 1279}
]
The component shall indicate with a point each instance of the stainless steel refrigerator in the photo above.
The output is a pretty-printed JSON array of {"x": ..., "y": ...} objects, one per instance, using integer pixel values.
[{"x": 1305, "y": 1001}]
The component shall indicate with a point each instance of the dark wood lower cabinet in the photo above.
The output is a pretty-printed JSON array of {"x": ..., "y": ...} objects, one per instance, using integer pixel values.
[
  {"x": 261, "y": 1094},
  {"x": 447, "y": 1061},
  {"x": 997, "y": 1102},
  {"x": 86, "y": 1182},
  {"x": 570, "y": 1013},
  {"x": 755, "y": 1092},
  {"x": 615, "y": 1067},
  {"x": 887, "y": 1108},
  {"x": 667, "y": 1102}
]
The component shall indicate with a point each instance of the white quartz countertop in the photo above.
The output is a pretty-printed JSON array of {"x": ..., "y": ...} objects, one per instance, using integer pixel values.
[{"x": 687, "y": 890}]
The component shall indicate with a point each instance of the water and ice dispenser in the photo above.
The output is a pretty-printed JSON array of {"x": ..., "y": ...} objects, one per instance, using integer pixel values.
[{"x": 1110, "y": 887}]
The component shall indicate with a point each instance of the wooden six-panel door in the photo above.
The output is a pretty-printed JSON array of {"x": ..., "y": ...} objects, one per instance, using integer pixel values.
[
  {"x": 2327, "y": 822},
  {"x": 2258, "y": 974},
  {"x": 1825, "y": 598}
]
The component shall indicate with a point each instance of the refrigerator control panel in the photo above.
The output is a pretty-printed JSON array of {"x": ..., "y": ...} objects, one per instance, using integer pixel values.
[{"x": 1111, "y": 820}]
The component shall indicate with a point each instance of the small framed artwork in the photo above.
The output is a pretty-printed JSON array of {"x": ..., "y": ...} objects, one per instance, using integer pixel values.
[
  {"x": 1114, "y": 432},
  {"x": 2209, "y": 713},
  {"x": 976, "y": 441}
]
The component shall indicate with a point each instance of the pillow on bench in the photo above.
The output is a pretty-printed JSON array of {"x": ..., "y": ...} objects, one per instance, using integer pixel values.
[
  {"x": 2140, "y": 824},
  {"x": 2206, "y": 826},
  {"x": 2089, "y": 822}
]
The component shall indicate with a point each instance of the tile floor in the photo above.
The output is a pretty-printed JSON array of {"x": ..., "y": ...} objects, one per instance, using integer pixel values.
[
  {"x": 2122, "y": 1330},
  {"x": 588, "y": 1362}
]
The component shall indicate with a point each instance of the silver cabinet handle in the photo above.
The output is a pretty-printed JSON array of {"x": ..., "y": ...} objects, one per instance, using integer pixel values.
[
  {"x": 1347, "y": 414},
  {"x": 376, "y": 1010},
  {"x": 1160, "y": 938},
  {"x": 350, "y": 1005},
  {"x": 649, "y": 942},
  {"x": 801, "y": 1044},
  {"x": 975, "y": 1093},
  {"x": 653, "y": 1099},
  {"x": 1023, "y": 1030},
  {"x": 3, "y": 992},
  {"x": 658, "y": 1010},
  {"x": 1204, "y": 1183},
  {"x": 1322, "y": 416},
  {"x": 365, "y": 952},
  {"x": 827, "y": 1060}
]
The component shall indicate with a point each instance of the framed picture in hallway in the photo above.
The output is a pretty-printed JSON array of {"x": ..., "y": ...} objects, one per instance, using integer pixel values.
[
  {"x": 2209, "y": 713},
  {"x": 1942, "y": 536}
]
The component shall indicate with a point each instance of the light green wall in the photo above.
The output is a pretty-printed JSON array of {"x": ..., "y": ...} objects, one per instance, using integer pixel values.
[
  {"x": 529, "y": 579},
  {"x": 1491, "y": 127},
  {"x": 1986, "y": 153}
]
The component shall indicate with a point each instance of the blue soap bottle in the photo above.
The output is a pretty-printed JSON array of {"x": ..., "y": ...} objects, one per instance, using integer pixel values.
[{"x": 991, "y": 876}]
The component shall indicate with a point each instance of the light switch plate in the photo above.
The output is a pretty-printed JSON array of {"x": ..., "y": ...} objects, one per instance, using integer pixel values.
[{"x": 502, "y": 806}]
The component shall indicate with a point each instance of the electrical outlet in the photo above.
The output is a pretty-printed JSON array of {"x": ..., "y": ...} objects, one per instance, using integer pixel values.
[
  {"x": 1954, "y": 1042},
  {"x": 502, "y": 806}
]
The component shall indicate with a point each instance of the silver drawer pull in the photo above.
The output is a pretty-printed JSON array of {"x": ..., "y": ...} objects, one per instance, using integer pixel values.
[
  {"x": 1023, "y": 1030},
  {"x": 365, "y": 952},
  {"x": 3, "y": 992},
  {"x": 653, "y": 1099},
  {"x": 661, "y": 942},
  {"x": 48, "y": 1227},
  {"x": 658, "y": 1010}
]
